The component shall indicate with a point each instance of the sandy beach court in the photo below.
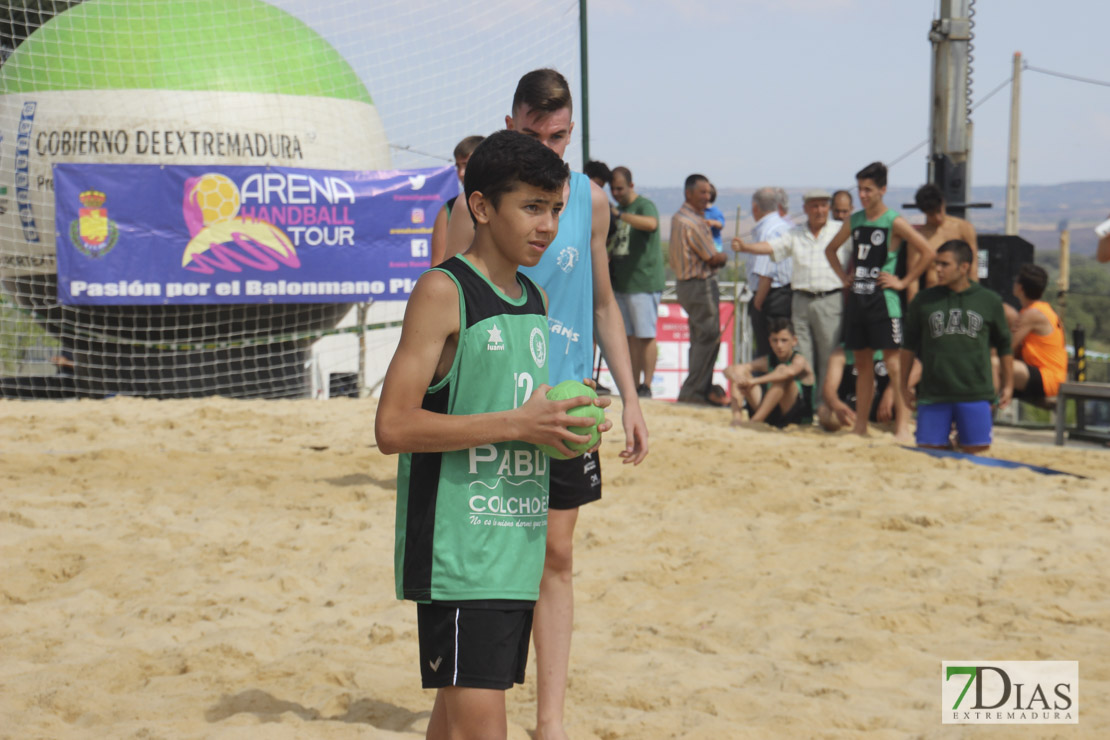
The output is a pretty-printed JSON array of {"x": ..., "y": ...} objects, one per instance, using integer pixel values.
[{"x": 223, "y": 569}]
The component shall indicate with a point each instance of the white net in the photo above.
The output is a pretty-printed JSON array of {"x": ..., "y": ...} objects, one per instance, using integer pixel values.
[{"x": 349, "y": 85}]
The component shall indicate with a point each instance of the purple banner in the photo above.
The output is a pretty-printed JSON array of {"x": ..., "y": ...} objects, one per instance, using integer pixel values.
[{"x": 152, "y": 235}]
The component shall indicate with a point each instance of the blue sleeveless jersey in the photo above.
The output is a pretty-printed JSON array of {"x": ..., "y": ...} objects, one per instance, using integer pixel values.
[{"x": 566, "y": 272}]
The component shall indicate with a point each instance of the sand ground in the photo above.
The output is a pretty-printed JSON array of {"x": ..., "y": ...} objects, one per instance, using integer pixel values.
[{"x": 215, "y": 568}]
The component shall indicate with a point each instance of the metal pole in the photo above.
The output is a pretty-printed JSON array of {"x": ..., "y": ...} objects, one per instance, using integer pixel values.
[
  {"x": 583, "y": 43},
  {"x": 1015, "y": 135},
  {"x": 363, "y": 391},
  {"x": 1064, "y": 282},
  {"x": 950, "y": 141},
  {"x": 736, "y": 291},
  {"x": 1079, "y": 339}
]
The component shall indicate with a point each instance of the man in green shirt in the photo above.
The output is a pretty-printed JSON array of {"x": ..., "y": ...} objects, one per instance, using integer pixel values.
[
  {"x": 952, "y": 328},
  {"x": 638, "y": 276}
]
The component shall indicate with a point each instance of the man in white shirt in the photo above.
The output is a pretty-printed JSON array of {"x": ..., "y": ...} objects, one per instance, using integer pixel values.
[
  {"x": 769, "y": 281},
  {"x": 816, "y": 301}
]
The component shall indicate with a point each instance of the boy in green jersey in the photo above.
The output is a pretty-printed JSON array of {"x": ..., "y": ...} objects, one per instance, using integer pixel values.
[
  {"x": 464, "y": 401},
  {"x": 952, "y": 328},
  {"x": 872, "y": 307},
  {"x": 778, "y": 387}
]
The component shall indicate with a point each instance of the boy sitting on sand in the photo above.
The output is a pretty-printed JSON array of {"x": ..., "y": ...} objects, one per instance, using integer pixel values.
[
  {"x": 464, "y": 400},
  {"x": 782, "y": 393},
  {"x": 838, "y": 394}
]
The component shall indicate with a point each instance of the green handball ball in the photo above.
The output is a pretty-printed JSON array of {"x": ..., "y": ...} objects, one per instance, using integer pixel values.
[{"x": 573, "y": 389}]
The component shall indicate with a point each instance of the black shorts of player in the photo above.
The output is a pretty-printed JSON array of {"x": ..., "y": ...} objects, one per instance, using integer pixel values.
[
  {"x": 1034, "y": 389},
  {"x": 847, "y": 390},
  {"x": 473, "y": 644},
  {"x": 575, "y": 482},
  {"x": 800, "y": 413},
  {"x": 879, "y": 334}
]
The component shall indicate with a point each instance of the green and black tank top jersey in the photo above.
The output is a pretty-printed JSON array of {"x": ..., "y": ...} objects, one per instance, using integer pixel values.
[
  {"x": 805, "y": 392},
  {"x": 873, "y": 252},
  {"x": 472, "y": 524}
]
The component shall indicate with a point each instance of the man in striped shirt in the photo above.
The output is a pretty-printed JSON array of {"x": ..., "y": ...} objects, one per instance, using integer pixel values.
[{"x": 695, "y": 261}]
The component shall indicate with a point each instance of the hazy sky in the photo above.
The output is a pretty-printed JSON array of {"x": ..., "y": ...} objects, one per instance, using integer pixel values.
[
  {"x": 805, "y": 92},
  {"x": 787, "y": 92}
]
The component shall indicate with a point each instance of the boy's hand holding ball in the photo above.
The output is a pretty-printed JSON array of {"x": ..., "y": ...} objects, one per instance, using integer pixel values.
[{"x": 591, "y": 410}]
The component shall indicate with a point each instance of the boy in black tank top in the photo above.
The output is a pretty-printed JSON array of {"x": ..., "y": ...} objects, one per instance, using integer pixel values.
[
  {"x": 779, "y": 386},
  {"x": 872, "y": 306}
]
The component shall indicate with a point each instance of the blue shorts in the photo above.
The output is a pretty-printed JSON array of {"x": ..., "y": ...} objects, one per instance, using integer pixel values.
[
  {"x": 640, "y": 312},
  {"x": 973, "y": 423}
]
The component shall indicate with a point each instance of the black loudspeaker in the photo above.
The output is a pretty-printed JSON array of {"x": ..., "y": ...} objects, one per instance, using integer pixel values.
[
  {"x": 950, "y": 177},
  {"x": 1000, "y": 258}
]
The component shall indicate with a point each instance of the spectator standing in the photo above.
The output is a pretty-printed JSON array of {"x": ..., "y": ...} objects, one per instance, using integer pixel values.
[
  {"x": 816, "y": 300},
  {"x": 841, "y": 205},
  {"x": 695, "y": 262},
  {"x": 598, "y": 172},
  {"x": 1102, "y": 231},
  {"x": 600, "y": 175},
  {"x": 638, "y": 274},
  {"x": 715, "y": 218},
  {"x": 939, "y": 228},
  {"x": 769, "y": 281},
  {"x": 782, "y": 202},
  {"x": 462, "y": 153}
]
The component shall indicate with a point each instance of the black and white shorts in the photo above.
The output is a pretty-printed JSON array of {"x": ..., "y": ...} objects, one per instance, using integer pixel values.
[
  {"x": 575, "y": 482},
  {"x": 478, "y": 647},
  {"x": 878, "y": 334}
]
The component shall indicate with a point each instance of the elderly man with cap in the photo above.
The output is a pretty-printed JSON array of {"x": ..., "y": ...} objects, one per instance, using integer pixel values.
[{"x": 817, "y": 300}]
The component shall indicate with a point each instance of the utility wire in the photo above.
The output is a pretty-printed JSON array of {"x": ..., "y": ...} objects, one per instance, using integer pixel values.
[
  {"x": 1002, "y": 85},
  {"x": 409, "y": 148},
  {"x": 1088, "y": 80},
  {"x": 992, "y": 93},
  {"x": 979, "y": 102},
  {"x": 896, "y": 160}
]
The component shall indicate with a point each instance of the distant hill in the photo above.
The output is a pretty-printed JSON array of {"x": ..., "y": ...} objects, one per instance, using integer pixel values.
[{"x": 1081, "y": 205}]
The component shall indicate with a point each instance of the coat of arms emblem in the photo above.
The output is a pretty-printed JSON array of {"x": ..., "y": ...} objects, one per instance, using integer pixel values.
[{"x": 93, "y": 233}]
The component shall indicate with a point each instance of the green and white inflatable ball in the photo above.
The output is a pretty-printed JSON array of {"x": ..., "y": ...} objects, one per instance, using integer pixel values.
[{"x": 203, "y": 82}]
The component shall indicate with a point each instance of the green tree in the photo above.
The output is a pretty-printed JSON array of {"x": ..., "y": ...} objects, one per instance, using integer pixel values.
[{"x": 1088, "y": 298}]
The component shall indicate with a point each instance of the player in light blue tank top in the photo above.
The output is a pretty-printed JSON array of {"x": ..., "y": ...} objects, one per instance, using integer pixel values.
[{"x": 566, "y": 272}]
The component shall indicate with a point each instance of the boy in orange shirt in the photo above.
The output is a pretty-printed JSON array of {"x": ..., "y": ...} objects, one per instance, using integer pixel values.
[{"x": 1040, "y": 354}]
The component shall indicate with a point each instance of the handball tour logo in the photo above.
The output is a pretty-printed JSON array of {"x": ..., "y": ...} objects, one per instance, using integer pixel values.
[
  {"x": 93, "y": 233},
  {"x": 261, "y": 224},
  {"x": 222, "y": 239}
]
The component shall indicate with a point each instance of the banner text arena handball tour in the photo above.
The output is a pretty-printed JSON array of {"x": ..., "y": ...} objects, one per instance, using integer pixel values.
[{"x": 202, "y": 235}]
